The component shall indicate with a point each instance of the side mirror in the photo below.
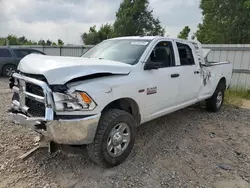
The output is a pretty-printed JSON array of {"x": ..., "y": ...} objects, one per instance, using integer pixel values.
[{"x": 152, "y": 65}]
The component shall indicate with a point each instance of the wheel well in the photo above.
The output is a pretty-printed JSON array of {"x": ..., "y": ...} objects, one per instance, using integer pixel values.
[
  {"x": 128, "y": 105},
  {"x": 223, "y": 82}
]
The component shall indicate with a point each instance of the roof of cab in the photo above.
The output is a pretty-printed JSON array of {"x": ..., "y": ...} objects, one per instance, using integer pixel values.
[
  {"x": 151, "y": 38},
  {"x": 137, "y": 37}
]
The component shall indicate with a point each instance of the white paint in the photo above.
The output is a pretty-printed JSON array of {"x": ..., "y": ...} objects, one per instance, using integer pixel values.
[
  {"x": 172, "y": 93},
  {"x": 59, "y": 69}
]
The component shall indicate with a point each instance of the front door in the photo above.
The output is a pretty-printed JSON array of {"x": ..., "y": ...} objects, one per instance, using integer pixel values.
[{"x": 162, "y": 84}]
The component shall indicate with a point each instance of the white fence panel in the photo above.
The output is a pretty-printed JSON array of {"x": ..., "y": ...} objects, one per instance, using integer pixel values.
[
  {"x": 75, "y": 52},
  {"x": 52, "y": 51},
  {"x": 239, "y": 56}
]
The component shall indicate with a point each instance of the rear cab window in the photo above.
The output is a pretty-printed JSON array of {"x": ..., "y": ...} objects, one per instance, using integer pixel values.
[
  {"x": 185, "y": 54},
  {"x": 5, "y": 53}
]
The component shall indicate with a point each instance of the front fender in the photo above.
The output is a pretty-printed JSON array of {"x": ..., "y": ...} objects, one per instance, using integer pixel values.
[{"x": 101, "y": 93}]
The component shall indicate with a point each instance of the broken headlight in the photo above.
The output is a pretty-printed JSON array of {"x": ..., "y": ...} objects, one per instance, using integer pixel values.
[{"x": 76, "y": 101}]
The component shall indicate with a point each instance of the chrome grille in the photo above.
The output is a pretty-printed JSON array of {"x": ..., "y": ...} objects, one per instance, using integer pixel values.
[
  {"x": 34, "y": 89},
  {"x": 36, "y": 109},
  {"x": 32, "y": 96}
]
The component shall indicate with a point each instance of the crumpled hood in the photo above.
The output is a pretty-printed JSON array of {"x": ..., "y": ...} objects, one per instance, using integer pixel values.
[{"x": 60, "y": 69}]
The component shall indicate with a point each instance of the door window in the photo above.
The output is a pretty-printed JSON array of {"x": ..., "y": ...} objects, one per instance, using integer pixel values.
[
  {"x": 185, "y": 54},
  {"x": 5, "y": 53},
  {"x": 20, "y": 53},
  {"x": 163, "y": 54}
]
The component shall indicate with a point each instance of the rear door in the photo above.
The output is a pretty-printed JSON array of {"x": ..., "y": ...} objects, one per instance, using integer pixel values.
[{"x": 191, "y": 77}]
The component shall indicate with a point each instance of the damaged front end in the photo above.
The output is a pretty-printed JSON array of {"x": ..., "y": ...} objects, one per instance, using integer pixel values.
[{"x": 52, "y": 112}]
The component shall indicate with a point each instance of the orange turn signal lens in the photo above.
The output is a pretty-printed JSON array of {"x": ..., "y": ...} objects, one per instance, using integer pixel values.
[{"x": 85, "y": 98}]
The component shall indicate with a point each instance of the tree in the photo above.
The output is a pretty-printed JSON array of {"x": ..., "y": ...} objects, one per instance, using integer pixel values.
[
  {"x": 2, "y": 41},
  {"x": 106, "y": 31},
  {"x": 94, "y": 36},
  {"x": 60, "y": 42},
  {"x": 54, "y": 44},
  {"x": 184, "y": 33},
  {"x": 13, "y": 40},
  {"x": 224, "y": 21},
  {"x": 22, "y": 40},
  {"x": 135, "y": 18},
  {"x": 28, "y": 42},
  {"x": 41, "y": 42},
  {"x": 48, "y": 42},
  {"x": 91, "y": 37}
]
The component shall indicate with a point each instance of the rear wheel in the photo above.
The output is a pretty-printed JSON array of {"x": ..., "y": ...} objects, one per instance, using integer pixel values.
[
  {"x": 114, "y": 139},
  {"x": 8, "y": 70},
  {"x": 214, "y": 103}
]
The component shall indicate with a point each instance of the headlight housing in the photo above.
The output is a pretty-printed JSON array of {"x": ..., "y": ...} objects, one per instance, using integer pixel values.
[{"x": 75, "y": 101}]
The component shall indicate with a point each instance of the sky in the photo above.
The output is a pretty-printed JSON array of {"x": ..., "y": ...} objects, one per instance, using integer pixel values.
[{"x": 67, "y": 19}]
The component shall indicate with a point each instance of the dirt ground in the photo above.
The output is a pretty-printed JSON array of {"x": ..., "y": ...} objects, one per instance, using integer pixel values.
[{"x": 189, "y": 148}]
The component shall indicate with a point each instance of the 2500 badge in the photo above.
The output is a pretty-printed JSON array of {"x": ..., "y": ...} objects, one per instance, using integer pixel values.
[{"x": 151, "y": 90}]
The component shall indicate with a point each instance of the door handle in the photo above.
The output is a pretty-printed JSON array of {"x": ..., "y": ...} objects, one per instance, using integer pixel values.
[
  {"x": 174, "y": 75},
  {"x": 196, "y": 72}
]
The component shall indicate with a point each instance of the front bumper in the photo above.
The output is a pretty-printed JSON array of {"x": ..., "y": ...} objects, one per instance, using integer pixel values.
[
  {"x": 62, "y": 131},
  {"x": 73, "y": 132}
]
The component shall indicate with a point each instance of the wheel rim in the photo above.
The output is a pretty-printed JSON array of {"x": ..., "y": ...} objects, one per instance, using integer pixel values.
[
  {"x": 219, "y": 99},
  {"x": 9, "y": 71},
  {"x": 118, "y": 139}
]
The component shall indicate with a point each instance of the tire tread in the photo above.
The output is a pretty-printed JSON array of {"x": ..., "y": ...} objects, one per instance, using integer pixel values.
[
  {"x": 211, "y": 102},
  {"x": 95, "y": 149}
]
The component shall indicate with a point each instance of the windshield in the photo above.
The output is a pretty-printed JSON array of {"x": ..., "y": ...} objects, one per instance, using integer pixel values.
[{"x": 126, "y": 51}]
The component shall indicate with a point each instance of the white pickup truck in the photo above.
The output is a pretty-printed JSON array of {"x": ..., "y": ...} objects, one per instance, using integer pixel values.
[{"x": 100, "y": 98}]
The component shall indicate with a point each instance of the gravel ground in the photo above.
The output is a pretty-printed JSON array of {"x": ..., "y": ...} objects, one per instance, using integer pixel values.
[{"x": 189, "y": 148}]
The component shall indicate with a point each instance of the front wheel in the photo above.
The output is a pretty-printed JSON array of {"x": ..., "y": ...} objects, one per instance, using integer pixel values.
[
  {"x": 8, "y": 70},
  {"x": 114, "y": 139},
  {"x": 214, "y": 103}
]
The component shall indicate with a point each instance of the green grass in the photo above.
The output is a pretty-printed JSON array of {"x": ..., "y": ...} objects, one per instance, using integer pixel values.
[{"x": 235, "y": 97}]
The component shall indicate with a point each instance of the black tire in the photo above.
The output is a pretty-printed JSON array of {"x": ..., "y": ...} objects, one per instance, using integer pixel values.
[
  {"x": 98, "y": 151},
  {"x": 8, "y": 69},
  {"x": 212, "y": 103}
]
